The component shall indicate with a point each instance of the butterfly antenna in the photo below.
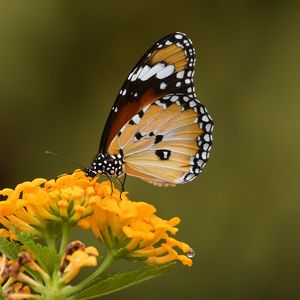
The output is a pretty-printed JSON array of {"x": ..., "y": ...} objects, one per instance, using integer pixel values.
[
  {"x": 65, "y": 158},
  {"x": 122, "y": 184}
]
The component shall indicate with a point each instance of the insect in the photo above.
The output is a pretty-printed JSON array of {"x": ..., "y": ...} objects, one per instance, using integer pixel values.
[{"x": 157, "y": 130}]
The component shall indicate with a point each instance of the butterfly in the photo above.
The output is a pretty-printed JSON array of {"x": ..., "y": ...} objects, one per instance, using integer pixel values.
[{"x": 157, "y": 130}]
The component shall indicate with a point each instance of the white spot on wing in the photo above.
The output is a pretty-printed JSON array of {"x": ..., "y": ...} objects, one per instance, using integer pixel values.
[
  {"x": 136, "y": 74},
  {"x": 146, "y": 107},
  {"x": 155, "y": 69},
  {"x": 180, "y": 74},
  {"x": 192, "y": 103},
  {"x": 206, "y": 137},
  {"x": 204, "y": 155},
  {"x": 136, "y": 119},
  {"x": 162, "y": 86},
  {"x": 144, "y": 71},
  {"x": 189, "y": 177},
  {"x": 165, "y": 72},
  {"x": 200, "y": 163},
  {"x": 208, "y": 127},
  {"x": 163, "y": 105},
  {"x": 179, "y": 45},
  {"x": 205, "y": 118}
]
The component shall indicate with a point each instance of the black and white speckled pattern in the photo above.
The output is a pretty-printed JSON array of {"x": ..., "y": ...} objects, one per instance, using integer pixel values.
[{"x": 107, "y": 164}]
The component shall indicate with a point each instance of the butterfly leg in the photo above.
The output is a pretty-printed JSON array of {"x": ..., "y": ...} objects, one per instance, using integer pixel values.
[{"x": 122, "y": 184}]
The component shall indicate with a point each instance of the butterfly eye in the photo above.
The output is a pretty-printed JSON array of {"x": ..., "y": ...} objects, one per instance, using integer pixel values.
[{"x": 157, "y": 129}]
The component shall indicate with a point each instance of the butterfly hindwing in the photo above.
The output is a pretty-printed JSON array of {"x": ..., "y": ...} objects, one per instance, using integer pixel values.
[
  {"x": 166, "y": 68},
  {"x": 167, "y": 142}
]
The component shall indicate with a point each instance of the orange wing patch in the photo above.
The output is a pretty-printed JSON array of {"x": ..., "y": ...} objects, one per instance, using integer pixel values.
[{"x": 170, "y": 55}]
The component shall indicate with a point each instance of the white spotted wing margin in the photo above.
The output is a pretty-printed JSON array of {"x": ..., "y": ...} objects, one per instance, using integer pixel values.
[{"x": 168, "y": 142}]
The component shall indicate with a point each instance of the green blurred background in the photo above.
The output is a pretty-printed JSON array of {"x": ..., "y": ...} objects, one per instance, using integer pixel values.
[{"x": 61, "y": 66}]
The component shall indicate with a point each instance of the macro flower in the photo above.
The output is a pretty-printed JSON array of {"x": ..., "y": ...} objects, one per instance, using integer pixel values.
[
  {"x": 119, "y": 223},
  {"x": 35, "y": 205},
  {"x": 133, "y": 229},
  {"x": 37, "y": 259}
]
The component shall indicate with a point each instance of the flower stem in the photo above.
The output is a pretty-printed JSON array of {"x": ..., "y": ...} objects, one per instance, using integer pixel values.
[
  {"x": 65, "y": 238},
  {"x": 50, "y": 243},
  {"x": 109, "y": 259}
]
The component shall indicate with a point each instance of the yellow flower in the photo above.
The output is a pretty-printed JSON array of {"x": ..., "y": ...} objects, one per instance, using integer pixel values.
[
  {"x": 85, "y": 257},
  {"x": 32, "y": 205},
  {"x": 128, "y": 227},
  {"x": 120, "y": 223}
]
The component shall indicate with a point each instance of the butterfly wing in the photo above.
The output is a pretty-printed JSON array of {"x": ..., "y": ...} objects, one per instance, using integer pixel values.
[
  {"x": 167, "y": 67},
  {"x": 168, "y": 142}
]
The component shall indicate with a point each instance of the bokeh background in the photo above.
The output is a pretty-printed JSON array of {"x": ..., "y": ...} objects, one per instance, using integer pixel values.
[{"x": 61, "y": 66}]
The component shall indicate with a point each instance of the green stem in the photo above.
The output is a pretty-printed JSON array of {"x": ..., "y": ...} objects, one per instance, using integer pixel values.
[
  {"x": 65, "y": 239},
  {"x": 50, "y": 243},
  {"x": 110, "y": 258}
]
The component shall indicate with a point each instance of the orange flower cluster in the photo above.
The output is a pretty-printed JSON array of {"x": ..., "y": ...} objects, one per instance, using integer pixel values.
[
  {"x": 32, "y": 205},
  {"x": 123, "y": 225},
  {"x": 120, "y": 223}
]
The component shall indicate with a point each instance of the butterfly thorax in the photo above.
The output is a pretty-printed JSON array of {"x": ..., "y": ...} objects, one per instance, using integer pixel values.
[{"x": 105, "y": 163}]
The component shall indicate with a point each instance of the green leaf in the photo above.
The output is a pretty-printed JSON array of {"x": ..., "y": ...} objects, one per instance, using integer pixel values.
[
  {"x": 107, "y": 284},
  {"x": 47, "y": 258},
  {"x": 9, "y": 248}
]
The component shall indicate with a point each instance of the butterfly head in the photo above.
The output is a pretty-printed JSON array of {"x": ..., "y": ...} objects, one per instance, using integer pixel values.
[{"x": 105, "y": 163}]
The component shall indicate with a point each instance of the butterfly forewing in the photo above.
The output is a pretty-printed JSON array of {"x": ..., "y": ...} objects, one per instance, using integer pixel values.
[{"x": 167, "y": 67}]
